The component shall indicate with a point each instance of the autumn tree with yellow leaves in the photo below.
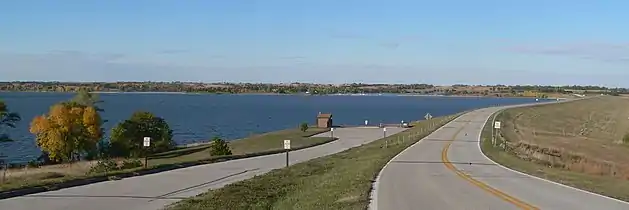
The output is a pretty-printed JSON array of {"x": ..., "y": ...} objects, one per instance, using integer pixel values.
[{"x": 68, "y": 131}]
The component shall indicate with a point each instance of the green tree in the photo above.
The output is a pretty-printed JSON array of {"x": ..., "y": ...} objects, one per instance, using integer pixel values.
[
  {"x": 128, "y": 136},
  {"x": 7, "y": 120},
  {"x": 219, "y": 147},
  {"x": 303, "y": 127},
  {"x": 85, "y": 98}
]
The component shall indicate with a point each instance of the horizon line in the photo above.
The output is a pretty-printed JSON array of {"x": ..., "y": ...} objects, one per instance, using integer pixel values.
[{"x": 301, "y": 82}]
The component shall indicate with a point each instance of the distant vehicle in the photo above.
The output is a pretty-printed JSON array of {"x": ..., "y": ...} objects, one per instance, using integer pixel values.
[
  {"x": 405, "y": 125},
  {"x": 380, "y": 125}
]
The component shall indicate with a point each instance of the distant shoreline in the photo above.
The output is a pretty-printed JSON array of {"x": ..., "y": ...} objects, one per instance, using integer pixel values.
[{"x": 287, "y": 94}]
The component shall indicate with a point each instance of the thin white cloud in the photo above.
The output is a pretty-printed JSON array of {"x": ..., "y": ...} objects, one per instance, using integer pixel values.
[
  {"x": 291, "y": 57},
  {"x": 174, "y": 51},
  {"x": 77, "y": 66},
  {"x": 607, "y": 52},
  {"x": 390, "y": 45}
]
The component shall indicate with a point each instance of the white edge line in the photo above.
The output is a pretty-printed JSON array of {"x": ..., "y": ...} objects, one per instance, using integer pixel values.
[
  {"x": 538, "y": 178},
  {"x": 373, "y": 204}
]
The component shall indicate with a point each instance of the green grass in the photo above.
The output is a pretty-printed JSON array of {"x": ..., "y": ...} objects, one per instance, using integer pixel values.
[
  {"x": 338, "y": 181},
  {"x": 268, "y": 142},
  {"x": 254, "y": 144},
  {"x": 605, "y": 185}
]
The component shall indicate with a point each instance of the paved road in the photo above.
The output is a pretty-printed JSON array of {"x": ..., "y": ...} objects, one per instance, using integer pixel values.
[
  {"x": 418, "y": 178},
  {"x": 157, "y": 190}
]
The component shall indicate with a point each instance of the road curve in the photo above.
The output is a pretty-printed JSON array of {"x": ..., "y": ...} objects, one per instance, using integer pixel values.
[
  {"x": 154, "y": 191},
  {"x": 447, "y": 170}
]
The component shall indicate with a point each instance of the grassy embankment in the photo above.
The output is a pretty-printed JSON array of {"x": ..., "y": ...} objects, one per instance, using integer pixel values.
[
  {"x": 263, "y": 143},
  {"x": 338, "y": 181},
  {"x": 577, "y": 143}
]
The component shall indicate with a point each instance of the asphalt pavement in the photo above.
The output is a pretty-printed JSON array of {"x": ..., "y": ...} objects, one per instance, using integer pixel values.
[
  {"x": 447, "y": 170},
  {"x": 154, "y": 191}
]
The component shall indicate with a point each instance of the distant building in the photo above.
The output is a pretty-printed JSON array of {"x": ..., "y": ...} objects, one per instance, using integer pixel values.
[{"x": 324, "y": 120}]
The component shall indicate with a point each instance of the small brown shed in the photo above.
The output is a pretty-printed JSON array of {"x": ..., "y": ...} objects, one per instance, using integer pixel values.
[{"x": 324, "y": 120}]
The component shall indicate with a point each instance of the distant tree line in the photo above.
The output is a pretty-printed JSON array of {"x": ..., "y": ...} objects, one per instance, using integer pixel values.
[{"x": 295, "y": 88}]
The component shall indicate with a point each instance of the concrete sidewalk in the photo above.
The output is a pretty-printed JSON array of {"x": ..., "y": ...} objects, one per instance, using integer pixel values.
[{"x": 154, "y": 191}]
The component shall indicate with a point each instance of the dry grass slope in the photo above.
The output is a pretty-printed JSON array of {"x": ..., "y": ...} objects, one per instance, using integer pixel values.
[{"x": 578, "y": 143}]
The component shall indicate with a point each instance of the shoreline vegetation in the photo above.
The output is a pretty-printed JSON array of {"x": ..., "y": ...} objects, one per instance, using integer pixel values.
[
  {"x": 75, "y": 150},
  {"x": 534, "y": 91},
  {"x": 583, "y": 143},
  {"x": 59, "y": 175}
]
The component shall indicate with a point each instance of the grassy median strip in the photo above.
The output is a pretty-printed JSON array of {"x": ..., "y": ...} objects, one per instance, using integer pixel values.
[
  {"x": 338, "y": 181},
  {"x": 263, "y": 143},
  {"x": 567, "y": 143},
  {"x": 258, "y": 143}
]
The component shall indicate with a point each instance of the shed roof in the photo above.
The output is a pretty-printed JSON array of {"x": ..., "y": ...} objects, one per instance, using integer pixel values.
[{"x": 321, "y": 115}]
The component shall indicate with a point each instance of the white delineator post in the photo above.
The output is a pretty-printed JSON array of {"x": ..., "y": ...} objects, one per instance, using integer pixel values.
[
  {"x": 287, "y": 148},
  {"x": 495, "y": 133},
  {"x": 332, "y": 133},
  {"x": 384, "y": 135}
]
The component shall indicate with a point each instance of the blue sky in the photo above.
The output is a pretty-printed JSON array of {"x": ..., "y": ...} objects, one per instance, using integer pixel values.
[{"x": 326, "y": 41}]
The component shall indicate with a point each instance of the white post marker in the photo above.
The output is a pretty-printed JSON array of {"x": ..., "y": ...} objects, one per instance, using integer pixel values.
[
  {"x": 384, "y": 134},
  {"x": 332, "y": 132},
  {"x": 147, "y": 141},
  {"x": 287, "y": 148},
  {"x": 495, "y": 133}
]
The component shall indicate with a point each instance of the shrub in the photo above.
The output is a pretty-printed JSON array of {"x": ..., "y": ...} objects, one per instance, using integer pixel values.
[
  {"x": 303, "y": 127},
  {"x": 33, "y": 164},
  {"x": 625, "y": 139},
  {"x": 127, "y": 137},
  {"x": 103, "y": 166},
  {"x": 131, "y": 163},
  {"x": 219, "y": 147}
]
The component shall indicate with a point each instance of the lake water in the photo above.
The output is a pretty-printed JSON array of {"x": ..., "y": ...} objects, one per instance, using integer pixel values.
[{"x": 199, "y": 117}]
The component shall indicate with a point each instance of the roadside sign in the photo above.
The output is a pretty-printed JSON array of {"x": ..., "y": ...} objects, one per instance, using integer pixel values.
[
  {"x": 366, "y": 122},
  {"x": 497, "y": 124},
  {"x": 428, "y": 116},
  {"x": 286, "y": 144},
  {"x": 147, "y": 141}
]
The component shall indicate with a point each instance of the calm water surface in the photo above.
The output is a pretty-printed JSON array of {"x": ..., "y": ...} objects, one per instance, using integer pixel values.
[{"x": 199, "y": 117}]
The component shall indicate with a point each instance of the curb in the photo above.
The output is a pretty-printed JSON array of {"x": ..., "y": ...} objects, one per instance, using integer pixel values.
[{"x": 96, "y": 179}]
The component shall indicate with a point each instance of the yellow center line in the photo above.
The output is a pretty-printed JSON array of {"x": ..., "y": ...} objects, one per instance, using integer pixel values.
[{"x": 444, "y": 157}]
